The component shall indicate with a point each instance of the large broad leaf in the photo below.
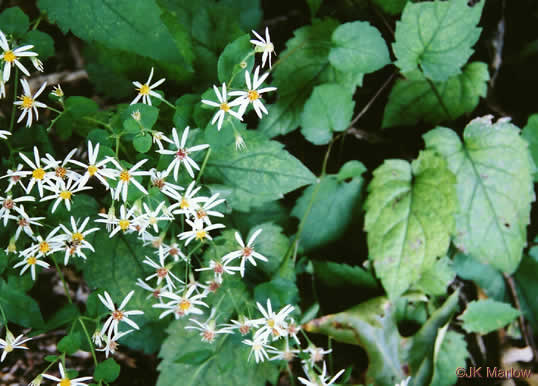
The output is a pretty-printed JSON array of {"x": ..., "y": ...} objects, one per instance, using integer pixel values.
[
  {"x": 494, "y": 173},
  {"x": 487, "y": 315},
  {"x": 409, "y": 218},
  {"x": 188, "y": 360},
  {"x": 437, "y": 37},
  {"x": 371, "y": 325},
  {"x": 435, "y": 280},
  {"x": 19, "y": 307},
  {"x": 451, "y": 353},
  {"x": 530, "y": 133},
  {"x": 330, "y": 202},
  {"x": 358, "y": 47},
  {"x": 230, "y": 64},
  {"x": 343, "y": 275},
  {"x": 413, "y": 99},
  {"x": 263, "y": 172},
  {"x": 300, "y": 68},
  {"x": 134, "y": 28},
  {"x": 483, "y": 275}
]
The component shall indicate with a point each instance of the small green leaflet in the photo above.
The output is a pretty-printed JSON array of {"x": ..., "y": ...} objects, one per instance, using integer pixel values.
[
  {"x": 530, "y": 133},
  {"x": 413, "y": 100},
  {"x": 409, "y": 218},
  {"x": 437, "y": 37},
  {"x": 229, "y": 64},
  {"x": 495, "y": 189},
  {"x": 484, "y": 316}
]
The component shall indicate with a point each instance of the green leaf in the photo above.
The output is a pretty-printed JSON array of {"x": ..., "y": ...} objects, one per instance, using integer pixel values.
[
  {"x": 372, "y": 326},
  {"x": 358, "y": 47},
  {"x": 314, "y": 6},
  {"x": 142, "y": 143},
  {"x": 435, "y": 280},
  {"x": 530, "y": 133},
  {"x": 280, "y": 291},
  {"x": 483, "y": 275},
  {"x": 14, "y": 21},
  {"x": 271, "y": 243},
  {"x": 263, "y": 172},
  {"x": 409, "y": 218},
  {"x": 64, "y": 315},
  {"x": 452, "y": 354},
  {"x": 19, "y": 307},
  {"x": 148, "y": 118},
  {"x": 329, "y": 202},
  {"x": 42, "y": 42},
  {"x": 284, "y": 115},
  {"x": 484, "y": 316},
  {"x": 107, "y": 371},
  {"x": 494, "y": 185},
  {"x": 527, "y": 287},
  {"x": 250, "y": 12},
  {"x": 329, "y": 108},
  {"x": 350, "y": 169},
  {"x": 185, "y": 109},
  {"x": 136, "y": 29},
  {"x": 69, "y": 344},
  {"x": 437, "y": 37},
  {"x": 392, "y": 7},
  {"x": 4, "y": 260},
  {"x": 231, "y": 60},
  {"x": 186, "y": 357},
  {"x": 413, "y": 99},
  {"x": 343, "y": 275}
]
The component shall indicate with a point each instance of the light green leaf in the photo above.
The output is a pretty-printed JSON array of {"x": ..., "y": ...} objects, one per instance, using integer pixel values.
[
  {"x": 435, "y": 280},
  {"x": 413, "y": 100},
  {"x": 358, "y": 47},
  {"x": 484, "y": 276},
  {"x": 437, "y": 37},
  {"x": 451, "y": 355},
  {"x": 142, "y": 143},
  {"x": 350, "y": 169},
  {"x": 343, "y": 275},
  {"x": 107, "y": 371},
  {"x": 484, "y": 316},
  {"x": 371, "y": 325},
  {"x": 494, "y": 184},
  {"x": 136, "y": 29},
  {"x": 333, "y": 206},
  {"x": 329, "y": 108},
  {"x": 409, "y": 218},
  {"x": 263, "y": 172},
  {"x": 148, "y": 117},
  {"x": 14, "y": 21},
  {"x": 530, "y": 133}
]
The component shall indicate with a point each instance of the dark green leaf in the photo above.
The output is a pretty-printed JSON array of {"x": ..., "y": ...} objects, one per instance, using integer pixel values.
[
  {"x": 107, "y": 371},
  {"x": 142, "y": 143},
  {"x": 69, "y": 344},
  {"x": 530, "y": 133},
  {"x": 343, "y": 275},
  {"x": 14, "y": 21},
  {"x": 234, "y": 61},
  {"x": 42, "y": 42},
  {"x": 19, "y": 307},
  {"x": 483, "y": 275}
]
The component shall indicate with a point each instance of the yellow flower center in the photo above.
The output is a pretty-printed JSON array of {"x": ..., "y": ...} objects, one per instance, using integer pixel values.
[
  {"x": 8, "y": 348},
  {"x": 117, "y": 315},
  {"x": 124, "y": 176},
  {"x": 38, "y": 174},
  {"x": 66, "y": 194},
  {"x": 27, "y": 102},
  {"x": 271, "y": 323},
  {"x": 152, "y": 220},
  {"x": 92, "y": 169},
  {"x": 184, "y": 305},
  {"x": 144, "y": 90},
  {"x": 124, "y": 224},
  {"x": 201, "y": 234},
  {"x": 44, "y": 247},
  {"x": 253, "y": 95},
  {"x": 9, "y": 56},
  {"x": 184, "y": 204},
  {"x": 31, "y": 260},
  {"x": 77, "y": 236},
  {"x": 225, "y": 107}
]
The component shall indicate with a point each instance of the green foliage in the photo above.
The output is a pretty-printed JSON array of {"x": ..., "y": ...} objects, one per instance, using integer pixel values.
[
  {"x": 530, "y": 133},
  {"x": 436, "y": 37},
  {"x": 19, "y": 307},
  {"x": 14, "y": 21},
  {"x": 69, "y": 344},
  {"x": 409, "y": 219},
  {"x": 392, "y": 7},
  {"x": 107, "y": 371},
  {"x": 451, "y": 352},
  {"x": 343, "y": 275},
  {"x": 230, "y": 68},
  {"x": 483, "y": 275},
  {"x": 413, "y": 99},
  {"x": 525, "y": 278},
  {"x": 494, "y": 184},
  {"x": 484, "y": 316},
  {"x": 436, "y": 278}
]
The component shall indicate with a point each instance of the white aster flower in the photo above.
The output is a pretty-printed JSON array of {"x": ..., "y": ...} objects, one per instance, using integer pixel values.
[
  {"x": 202, "y": 212},
  {"x": 112, "y": 344},
  {"x": 186, "y": 304},
  {"x": 97, "y": 338},
  {"x": 117, "y": 315},
  {"x": 253, "y": 93},
  {"x": 14, "y": 178},
  {"x": 198, "y": 232},
  {"x": 8, "y": 203},
  {"x": 187, "y": 202},
  {"x": 10, "y": 57},
  {"x": 286, "y": 354},
  {"x": 258, "y": 348},
  {"x": 316, "y": 354},
  {"x": 24, "y": 222},
  {"x": 38, "y": 64},
  {"x": 76, "y": 239},
  {"x": 318, "y": 380},
  {"x": 151, "y": 216},
  {"x": 219, "y": 269},
  {"x": 293, "y": 329},
  {"x": 181, "y": 153},
  {"x": 154, "y": 292},
  {"x": 274, "y": 324},
  {"x": 264, "y": 45},
  {"x": 65, "y": 380},
  {"x": 240, "y": 144},
  {"x": 11, "y": 343},
  {"x": 146, "y": 90},
  {"x": 208, "y": 329},
  {"x": 57, "y": 91},
  {"x": 404, "y": 382},
  {"x": 246, "y": 252},
  {"x": 31, "y": 262},
  {"x": 63, "y": 191},
  {"x": 223, "y": 105},
  {"x": 174, "y": 251},
  {"x": 60, "y": 170},
  {"x": 44, "y": 247},
  {"x": 38, "y": 173},
  {"x": 162, "y": 271},
  {"x": 4, "y": 133},
  {"x": 126, "y": 177},
  {"x": 123, "y": 223},
  {"x": 94, "y": 168},
  {"x": 243, "y": 325},
  {"x": 158, "y": 179},
  {"x": 28, "y": 103}
]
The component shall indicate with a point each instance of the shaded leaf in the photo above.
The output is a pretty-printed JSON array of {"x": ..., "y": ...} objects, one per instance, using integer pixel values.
[
  {"x": 343, "y": 275},
  {"x": 484, "y": 316}
]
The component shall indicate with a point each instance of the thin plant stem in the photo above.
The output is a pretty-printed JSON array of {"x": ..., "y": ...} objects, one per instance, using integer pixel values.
[
  {"x": 66, "y": 290},
  {"x": 438, "y": 96},
  {"x": 4, "y": 318},
  {"x": 14, "y": 108},
  {"x": 204, "y": 163},
  {"x": 89, "y": 340}
]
